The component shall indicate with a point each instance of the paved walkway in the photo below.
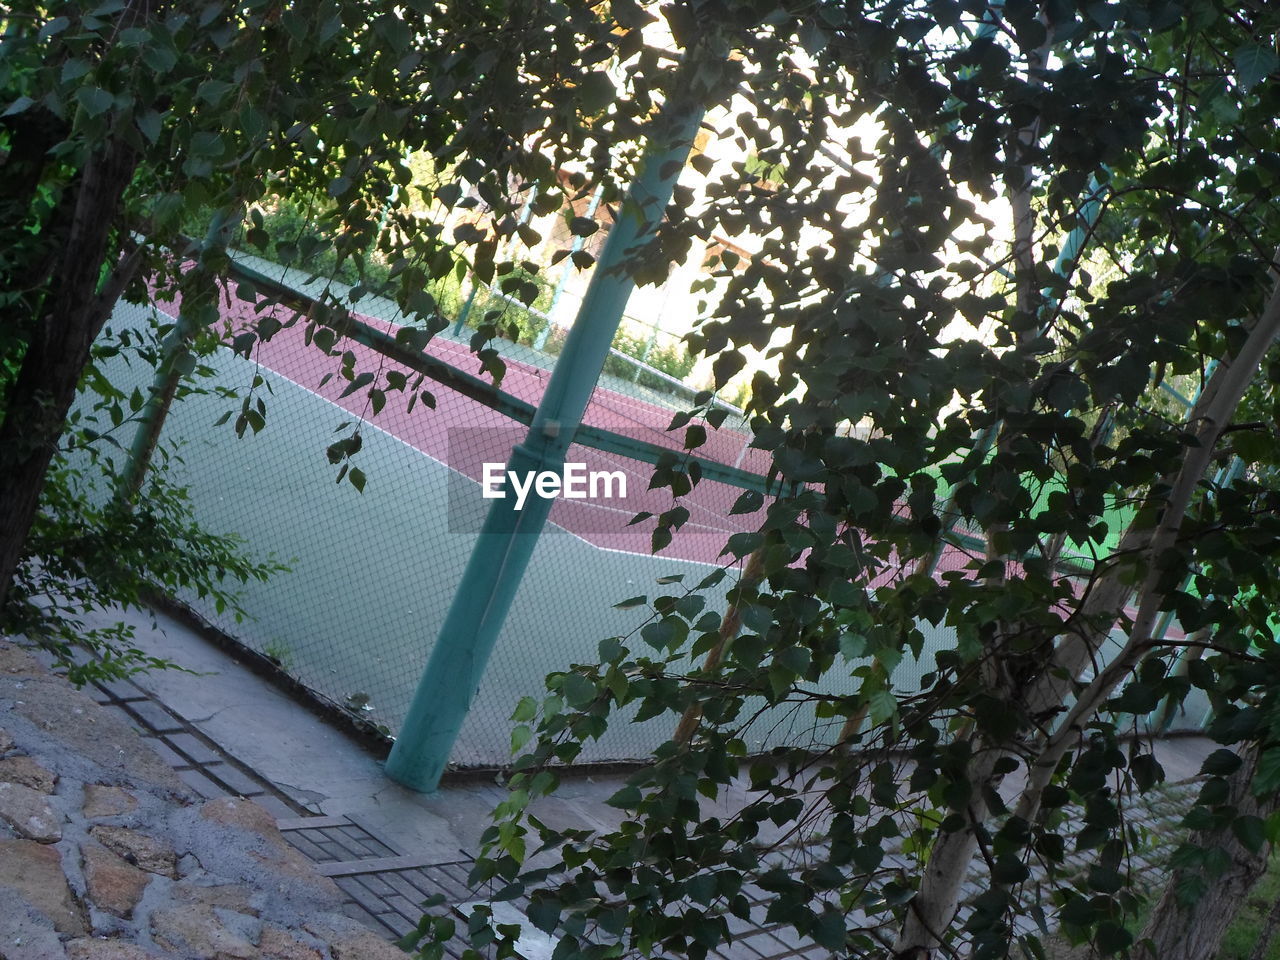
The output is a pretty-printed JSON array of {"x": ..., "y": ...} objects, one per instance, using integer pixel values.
[{"x": 228, "y": 732}]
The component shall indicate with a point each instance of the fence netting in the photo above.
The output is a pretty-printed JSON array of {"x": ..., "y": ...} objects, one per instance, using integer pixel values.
[{"x": 372, "y": 573}]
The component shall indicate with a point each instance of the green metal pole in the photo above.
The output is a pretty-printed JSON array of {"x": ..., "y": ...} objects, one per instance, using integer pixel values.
[
  {"x": 983, "y": 444},
  {"x": 175, "y": 362},
  {"x": 508, "y": 537},
  {"x": 461, "y": 323}
]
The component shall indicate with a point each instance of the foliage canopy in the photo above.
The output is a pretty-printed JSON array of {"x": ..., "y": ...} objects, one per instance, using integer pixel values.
[
  {"x": 927, "y": 163},
  {"x": 922, "y": 290}
]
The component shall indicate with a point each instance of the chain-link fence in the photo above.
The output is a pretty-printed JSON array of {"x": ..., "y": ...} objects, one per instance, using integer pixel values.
[{"x": 373, "y": 573}]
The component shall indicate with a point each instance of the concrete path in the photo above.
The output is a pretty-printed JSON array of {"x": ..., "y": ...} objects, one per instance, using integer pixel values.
[
  {"x": 321, "y": 768},
  {"x": 312, "y": 768}
]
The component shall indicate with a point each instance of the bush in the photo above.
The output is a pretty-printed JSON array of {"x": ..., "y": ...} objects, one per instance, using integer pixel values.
[
  {"x": 88, "y": 551},
  {"x": 674, "y": 360},
  {"x": 516, "y": 309},
  {"x": 295, "y": 238},
  {"x": 291, "y": 233}
]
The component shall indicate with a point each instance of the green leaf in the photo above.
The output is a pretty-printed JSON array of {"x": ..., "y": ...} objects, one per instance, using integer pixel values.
[
  {"x": 1250, "y": 831},
  {"x": 795, "y": 659},
  {"x": 1267, "y": 779},
  {"x": 95, "y": 100},
  {"x": 628, "y": 798},
  {"x": 756, "y": 617},
  {"x": 207, "y": 144},
  {"x": 17, "y": 106},
  {"x": 519, "y": 737},
  {"x": 578, "y": 690},
  {"x": 595, "y": 92},
  {"x": 829, "y": 931},
  {"x": 74, "y": 69},
  {"x": 160, "y": 55},
  {"x": 1254, "y": 63},
  {"x": 149, "y": 123},
  {"x": 1009, "y": 870},
  {"x": 1220, "y": 763},
  {"x": 659, "y": 634},
  {"x": 712, "y": 579},
  {"x": 881, "y": 706},
  {"x": 630, "y": 14},
  {"x": 742, "y": 544},
  {"x": 702, "y": 889},
  {"x": 1146, "y": 770},
  {"x": 544, "y": 913},
  {"x": 361, "y": 380},
  {"x": 1136, "y": 698},
  {"x": 1112, "y": 938},
  {"x": 54, "y": 27},
  {"x": 853, "y": 646},
  {"x": 813, "y": 38},
  {"x": 690, "y": 605}
]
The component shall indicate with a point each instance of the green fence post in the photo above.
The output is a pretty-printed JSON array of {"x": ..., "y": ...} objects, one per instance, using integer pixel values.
[
  {"x": 460, "y": 323},
  {"x": 175, "y": 362},
  {"x": 1089, "y": 213},
  {"x": 507, "y": 539}
]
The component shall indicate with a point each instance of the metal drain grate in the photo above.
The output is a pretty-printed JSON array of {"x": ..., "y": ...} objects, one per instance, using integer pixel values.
[
  {"x": 201, "y": 764},
  {"x": 384, "y": 887}
]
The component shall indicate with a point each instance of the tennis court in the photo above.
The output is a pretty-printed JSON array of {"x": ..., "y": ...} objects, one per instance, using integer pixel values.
[{"x": 373, "y": 573}]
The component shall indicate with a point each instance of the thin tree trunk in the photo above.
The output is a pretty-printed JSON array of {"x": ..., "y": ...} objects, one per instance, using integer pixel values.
[
  {"x": 937, "y": 900},
  {"x": 729, "y": 627},
  {"x": 78, "y": 305},
  {"x": 1193, "y": 930},
  {"x": 935, "y": 905},
  {"x": 1211, "y": 414},
  {"x": 931, "y": 912}
]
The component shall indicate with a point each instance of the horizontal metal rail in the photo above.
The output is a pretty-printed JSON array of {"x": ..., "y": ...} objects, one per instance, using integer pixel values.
[{"x": 473, "y": 387}]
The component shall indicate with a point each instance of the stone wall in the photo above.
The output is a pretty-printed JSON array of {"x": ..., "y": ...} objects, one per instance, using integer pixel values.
[{"x": 106, "y": 855}]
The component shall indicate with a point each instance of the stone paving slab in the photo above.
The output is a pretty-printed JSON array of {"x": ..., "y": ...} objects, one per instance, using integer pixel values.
[{"x": 106, "y": 855}]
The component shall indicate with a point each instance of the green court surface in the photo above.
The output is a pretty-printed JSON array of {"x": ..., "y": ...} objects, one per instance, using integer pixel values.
[{"x": 373, "y": 573}]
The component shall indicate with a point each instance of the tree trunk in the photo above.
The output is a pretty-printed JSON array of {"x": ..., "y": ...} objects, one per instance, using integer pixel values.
[
  {"x": 729, "y": 627},
  {"x": 936, "y": 903},
  {"x": 78, "y": 305},
  {"x": 1194, "y": 930},
  {"x": 932, "y": 910}
]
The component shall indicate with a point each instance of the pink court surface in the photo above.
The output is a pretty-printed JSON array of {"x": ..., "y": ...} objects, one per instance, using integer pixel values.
[
  {"x": 461, "y": 433},
  {"x": 435, "y": 431},
  {"x": 606, "y": 525}
]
